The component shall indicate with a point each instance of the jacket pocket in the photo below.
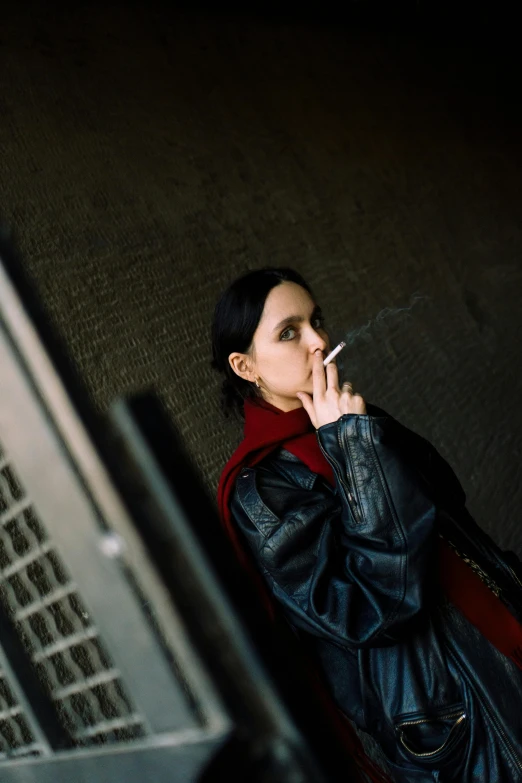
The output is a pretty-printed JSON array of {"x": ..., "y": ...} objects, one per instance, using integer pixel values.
[{"x": 432, "y": 736}]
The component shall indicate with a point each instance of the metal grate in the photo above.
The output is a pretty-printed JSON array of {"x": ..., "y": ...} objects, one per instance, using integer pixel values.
[
  {"x": 16, "y": 738},
  {"x": 56, "y": 630}
]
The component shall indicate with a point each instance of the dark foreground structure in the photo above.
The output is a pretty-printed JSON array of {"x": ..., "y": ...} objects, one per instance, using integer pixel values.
[{"x": 131, "y": 649}]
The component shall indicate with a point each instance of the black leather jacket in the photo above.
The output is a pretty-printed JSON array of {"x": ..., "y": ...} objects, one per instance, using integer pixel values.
[{"x": 355, "y": 570}]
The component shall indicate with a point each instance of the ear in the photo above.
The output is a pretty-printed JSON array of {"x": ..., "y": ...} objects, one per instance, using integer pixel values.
[{"x": 240, "y": 364}]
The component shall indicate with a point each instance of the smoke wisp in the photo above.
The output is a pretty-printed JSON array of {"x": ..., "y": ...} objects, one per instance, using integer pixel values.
[{"x": 366, "y": 331}]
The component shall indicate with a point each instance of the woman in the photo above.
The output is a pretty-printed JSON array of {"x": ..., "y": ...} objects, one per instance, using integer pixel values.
[{"x": 360, "y": 531}]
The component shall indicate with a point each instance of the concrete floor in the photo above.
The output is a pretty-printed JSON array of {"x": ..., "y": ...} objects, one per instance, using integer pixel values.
[{"x": 150, "y": 155}]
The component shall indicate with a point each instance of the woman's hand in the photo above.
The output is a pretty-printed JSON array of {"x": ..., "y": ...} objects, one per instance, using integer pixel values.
[{"x": 328, "y": 402}]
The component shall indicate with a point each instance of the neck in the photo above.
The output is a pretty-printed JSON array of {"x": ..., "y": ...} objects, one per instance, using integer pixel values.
[{"x": 284, "y": 404}]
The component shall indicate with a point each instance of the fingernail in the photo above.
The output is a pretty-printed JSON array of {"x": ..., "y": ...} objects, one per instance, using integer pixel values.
[{"x": 318, "y": 352}]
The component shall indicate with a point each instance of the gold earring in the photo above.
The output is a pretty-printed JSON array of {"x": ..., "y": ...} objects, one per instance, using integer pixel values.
[{"x": 257, "y": 384}]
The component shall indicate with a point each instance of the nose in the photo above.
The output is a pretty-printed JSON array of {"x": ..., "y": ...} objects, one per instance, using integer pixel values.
[{"x": 319, "y": 343}]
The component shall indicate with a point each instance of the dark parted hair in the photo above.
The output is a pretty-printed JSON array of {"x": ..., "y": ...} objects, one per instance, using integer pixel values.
[{"x": 236, "y": 318}]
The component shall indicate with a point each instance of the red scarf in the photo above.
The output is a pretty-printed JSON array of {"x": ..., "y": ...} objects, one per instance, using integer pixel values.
[{"x": 267, "y": 428}]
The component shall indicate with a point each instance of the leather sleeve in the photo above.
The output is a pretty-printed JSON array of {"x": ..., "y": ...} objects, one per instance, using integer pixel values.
[
  {"x": 450, "y": 499},
  {"x": 354, "y": 567}
]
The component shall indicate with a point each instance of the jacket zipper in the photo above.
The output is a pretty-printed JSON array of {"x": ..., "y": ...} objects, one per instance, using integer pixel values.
[
  {"x": 493, "y": 719},
  {"x": 461, "y": 715},
  {"x": 444, "y": 716},
  {"x": 352, "y": 501},
  {"x": 504, "y": 737},
  {"x": 356, "y": 498}
]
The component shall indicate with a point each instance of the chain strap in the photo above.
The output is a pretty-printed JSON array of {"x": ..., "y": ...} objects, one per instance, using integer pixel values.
[{"x": 488, "y": 581}]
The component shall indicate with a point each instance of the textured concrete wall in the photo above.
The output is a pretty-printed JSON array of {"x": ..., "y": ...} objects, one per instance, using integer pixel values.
[{"x": 149, "y": 156}]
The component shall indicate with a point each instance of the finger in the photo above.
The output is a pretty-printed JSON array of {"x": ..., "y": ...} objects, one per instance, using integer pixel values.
[
  {"x": 307, "y": 405},
  {"x": 318, "y": 374},
  {"x": 359, "y": 401},
  {"x": 344, "y": 404},
  {"x": 305, "y": 399},
  {"x": 332, "y": 376}
]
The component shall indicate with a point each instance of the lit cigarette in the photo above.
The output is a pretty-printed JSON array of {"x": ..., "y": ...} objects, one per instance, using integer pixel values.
[{"x": 333, "y": 354}]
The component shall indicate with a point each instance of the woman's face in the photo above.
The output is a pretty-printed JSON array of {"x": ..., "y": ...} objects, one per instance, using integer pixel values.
[{"x": 283, "y": 352}]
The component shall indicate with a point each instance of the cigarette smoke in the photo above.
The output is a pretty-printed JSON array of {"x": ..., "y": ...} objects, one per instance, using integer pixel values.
[
  {"x": 363, "y": 332},
  {"x": 368, "y": 331}
]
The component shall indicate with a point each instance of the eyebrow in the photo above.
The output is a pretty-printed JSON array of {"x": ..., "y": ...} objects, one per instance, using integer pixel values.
[{"x": 293, "y": 319}]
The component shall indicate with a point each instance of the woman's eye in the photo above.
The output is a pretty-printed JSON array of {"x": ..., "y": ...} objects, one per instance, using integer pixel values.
[{"x": 318, "y": 319}]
